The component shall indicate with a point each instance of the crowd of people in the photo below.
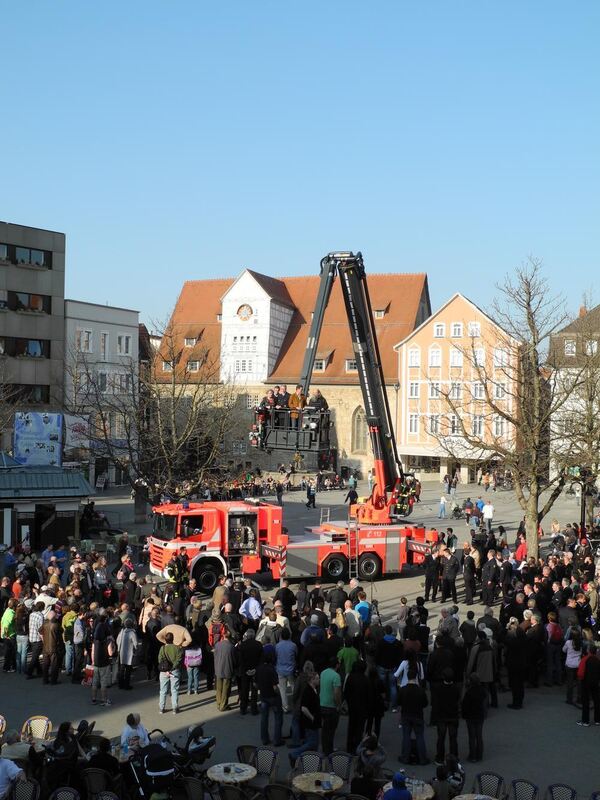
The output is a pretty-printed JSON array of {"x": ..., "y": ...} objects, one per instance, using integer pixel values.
[{"x": 313, "y": 653}]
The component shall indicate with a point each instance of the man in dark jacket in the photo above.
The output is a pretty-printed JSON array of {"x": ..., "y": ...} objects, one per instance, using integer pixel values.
[
  {"x": 286, "y": 597},
  {"x": 489, "y": 579},
  {"x": 52, "y": 648},
  {"x": 336, "y": 598},
  {"x": 270, "y": 698},
  {"x": 590, "y": 688},
  {"x": 388, "y": 655},
  {"x": 432, "y": 575},
  {"x": 506, "y": 574},
  {"x": 450, "y": 570},
  {"x": 473, "y": 711},
  {"x": 224, "y": 670},
  {"x": 445, "y": 700},
  {"x": 249, "y": 654},
  {"x": 412, "y": 700}
]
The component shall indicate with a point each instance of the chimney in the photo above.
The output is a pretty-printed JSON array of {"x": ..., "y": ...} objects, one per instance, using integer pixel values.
[{"x": 582, "y": 311}]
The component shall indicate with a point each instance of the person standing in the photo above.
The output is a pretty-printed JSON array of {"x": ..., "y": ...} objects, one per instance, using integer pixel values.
[
  {"x": 412, "y": 699},
  {"x": 8, "y": 633},
  {"x": 445, "y": 699},
  {"x": 311, "y": 494},
  {"x": 330, "y": 695},
  {"x": 473, "y": 711},
  {"x": 224, "y": 669},
  {"x": 170, "y": 658},
  {"x": 270, "y": 698},
  {"x": 310, "y": 713},
  {"x": 356, "y": 694},
  {"x": 515, "y": 659},
  {"x": 488, "y": 515},
  {"x": 296, "y": 402},
  {"x": 469, "y": 570},
  {"x": 490, "y": 574},
  {"x": 52, "y": 648},
  {"x": 432, "y": 573},
  {"x": 442, "y": 510},
  {"x": 126, "y": 645},
  {"x": 287, "y": 657},
  {"x": 36, "y": 620},
  {"x": 590, "y": 687},
  {"x": 450, "y": 570}
]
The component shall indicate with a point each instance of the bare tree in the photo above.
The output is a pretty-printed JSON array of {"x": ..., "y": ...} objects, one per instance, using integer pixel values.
[
  {"x": 162, "y": 421},
  {"x": 508, "y": 414},
  {"x": 575, "y": 354}
]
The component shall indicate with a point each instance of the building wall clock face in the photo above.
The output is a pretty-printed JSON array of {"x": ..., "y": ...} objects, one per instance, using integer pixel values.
[{"x": 244, "y": 312}]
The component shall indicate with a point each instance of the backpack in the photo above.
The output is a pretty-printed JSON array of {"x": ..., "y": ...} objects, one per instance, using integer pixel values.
[
  {"x": 215, "y": 633},
  {"x": 556, "y": 634},
  {"x": 271, "y": 634},
  {"x": 193, "y": 657}
]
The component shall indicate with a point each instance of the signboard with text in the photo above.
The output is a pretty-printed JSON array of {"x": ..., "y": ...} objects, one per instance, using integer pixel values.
[{"x": 38, "y": 438}]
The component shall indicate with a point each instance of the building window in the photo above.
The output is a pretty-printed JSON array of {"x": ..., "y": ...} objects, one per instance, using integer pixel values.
[
  {"x": 591, "y": 347},
  {"x": 413, "y": 423},
  {"x": 219, "y": 317},
  {"x": 455, "y": 391},
  {"x": 189, "y": 341},
  {"x": 319, "y": 365},
  {"x": 360, "y": 431},
  {"x": 3, "y": 298},
  {"x": 498, "y": 426},
  {"x": 457, "y": 330},
  {"x": 435, "y": 357},
  {"x": 193, "y": 366},
  {"x": 167, "y": 366},
  {"x": 414, "y": 357},
  {"x": 102, "y": 382},
  {"x": 434, "y": 423},
  {"x": 478, "y": 425},
  {"x": 351, "y": 365},
  {"x": 239, "y": 447},
  {"x": 474, "y": 329},
  {"x": 123, "y": 345},
  {"x": 434, "y": 390},
  {"x": 3, "y": 252},
  {"x": 478, "y": 391},
  {"x": 439, "y": 330},
  {"x": 570, "y": 347},
  {"x": 379, "y": 313},
  {"x": 479, "y": 357},
  {"x": 500, "y": 358},
  {"x": 104, "y": 346},
  {"x": 27, "y": 393},
  {"x": 32, "y": 348},
  {"x": 23, "y": 301},
  {"x": 500, "y": 391},
  {"x": 413, "y": 390},
  {"x": 456, "y": 357},
  {"x": 122, "y": 383},
  {"x": 83, "y": 341},
  {"x": 28, "y": 257},
  {"x": 453, "y": 427},
  {"x": 252, "y": 400}
]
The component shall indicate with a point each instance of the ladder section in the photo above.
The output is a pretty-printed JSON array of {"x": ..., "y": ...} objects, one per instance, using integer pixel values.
[
  {"x": 353, "y": 548},
  {"x": 325, "y": 515}
]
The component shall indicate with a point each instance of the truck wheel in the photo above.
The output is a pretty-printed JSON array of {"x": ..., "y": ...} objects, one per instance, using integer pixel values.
[
  {"x": 334, "y": 568},
  {"x": 369, "y": 567},
  {"x": 207, "y": 574}
]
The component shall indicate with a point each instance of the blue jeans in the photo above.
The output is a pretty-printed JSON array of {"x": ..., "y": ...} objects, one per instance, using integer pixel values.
[
  {"x": 391, "y": 687},
  {"x": 69, "y": 657},
  {"x": 193, "y": 675},
  {"x": 442, "y": 514},
  {"x": 22, "y": 645},
  {"x": 410, "y": 724},
  {"x": 169, "y": 680},
  {"x": 265, "y": 705},
  {"x": 311, "y": 742}
]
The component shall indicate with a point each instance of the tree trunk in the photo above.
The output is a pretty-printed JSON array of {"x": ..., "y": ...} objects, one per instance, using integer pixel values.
[
  {"x": 140, "y": 506},
  {"x": 531, "y": 525}
]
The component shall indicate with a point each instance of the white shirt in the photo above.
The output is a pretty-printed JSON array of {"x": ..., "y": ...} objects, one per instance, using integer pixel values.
[
  {"x": 134, "y": 737},
  {"x": 488, "y": 511},
  {"x": 402, "y": 672}
]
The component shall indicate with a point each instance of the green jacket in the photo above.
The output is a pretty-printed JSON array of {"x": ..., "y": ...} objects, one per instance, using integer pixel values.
[
  {"x": 8, "y": 628},
  {"x": 173, "y": 653}
]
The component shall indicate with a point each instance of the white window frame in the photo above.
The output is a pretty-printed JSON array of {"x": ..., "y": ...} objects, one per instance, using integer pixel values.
[
  {"x": 348, "y": 365},
  {"x": 453, "y": 426},
  {"x": 252, "y": 401},
  {"x": 455, "y": 390},
  {"x": 477, "y": 425},
  {"x": 167, "y": 366},
  {"x": 570, "y": 347},
  {"x": 414, "y": 357},
  {"x": 414, "y": 390},
  {"x": 379, "y": 313},
  {"x": 439, "y": 330},
  {"x": 499, "y": 426},
  {"x": 500, "y": 358},
  {"x": 319, "y": 365},
  {"x": 104, "y": 345},
  {"x": 478, "y": 391},
  {"x": 193, "y": 365},
  {"x": 433, "y": 350},
  {"x": 413, "y": 423},
  {"x": 84, "y": 336},
  {"x": 456, "y": 357},
  {"x": 591, "y": 347},
  {"x": 500, "y": 390},
  {"x": 434, "y": 424},
  {"x": 103, "y": 386},
  {"x": 474, "y": 329},
  {"x": 190, "y": 341},
  {"x": 456, "y": 330},
  {"x": 434, "y": 390},
  {"x": 124, "y": 344}
]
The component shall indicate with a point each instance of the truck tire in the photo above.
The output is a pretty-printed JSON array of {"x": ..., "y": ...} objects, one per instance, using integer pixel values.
[
  {"x": 334, "y": 568},
  {"x": 207, "y": 574},
  {"x": 369, "y": 567}
]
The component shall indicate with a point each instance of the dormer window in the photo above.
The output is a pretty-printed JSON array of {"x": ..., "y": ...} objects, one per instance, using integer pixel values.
[{"x": 190, "y": 341}]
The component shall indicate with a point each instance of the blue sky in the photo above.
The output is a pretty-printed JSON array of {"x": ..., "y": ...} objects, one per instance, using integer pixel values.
[{"x": 181, "y": 140}]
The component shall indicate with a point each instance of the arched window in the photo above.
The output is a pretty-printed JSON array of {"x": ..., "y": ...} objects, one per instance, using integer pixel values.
[{"x": 360, "y": 431}]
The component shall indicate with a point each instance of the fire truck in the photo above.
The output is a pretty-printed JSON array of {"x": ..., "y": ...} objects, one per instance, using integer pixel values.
[{"x": 248, "y": 537}]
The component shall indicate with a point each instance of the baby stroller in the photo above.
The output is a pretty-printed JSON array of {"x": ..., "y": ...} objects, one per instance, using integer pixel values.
[{"x": 154, "y": 771}]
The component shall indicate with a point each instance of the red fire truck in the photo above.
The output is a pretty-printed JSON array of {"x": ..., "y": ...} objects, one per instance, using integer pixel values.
[{"x": 248, "y": 537}]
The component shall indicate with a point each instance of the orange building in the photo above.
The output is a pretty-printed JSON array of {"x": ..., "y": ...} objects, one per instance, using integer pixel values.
[{"x": 448, "y": 369}]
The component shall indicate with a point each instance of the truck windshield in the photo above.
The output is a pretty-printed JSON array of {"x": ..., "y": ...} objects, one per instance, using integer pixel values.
[{"x": 164, "y": 526}]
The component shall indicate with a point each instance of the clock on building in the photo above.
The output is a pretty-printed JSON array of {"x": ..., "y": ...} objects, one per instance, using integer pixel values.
[{"x": 244, "y": 312}]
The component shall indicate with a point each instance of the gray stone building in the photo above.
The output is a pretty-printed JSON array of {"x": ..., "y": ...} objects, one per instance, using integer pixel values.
[{"x": 32, "y": 280}]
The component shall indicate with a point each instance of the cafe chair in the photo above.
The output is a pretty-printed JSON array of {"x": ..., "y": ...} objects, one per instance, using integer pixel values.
[
  {"x": 520, "y": 789},
  {"x": 192, "y": 788},
  {"x": 246, "y": 754},
  {"x": 279, "y": 791},
  {"x": 108, "y": 796},
  {"x": 309, "y": 761},
  {"x": 96, "y": 781},
  {"x": 560, "y": 791},
  {"x": 228, "y": 791},
  {"x": 491, "y": 784},
  {"x": 2, "y": 726},
  {"x": 341, "y": 764},
  {"x": 65, "y": 793},
  {"x": 25, "y": 790},
  {"x": 265, "y": 763},
  {"x": 39, "y": 727}
]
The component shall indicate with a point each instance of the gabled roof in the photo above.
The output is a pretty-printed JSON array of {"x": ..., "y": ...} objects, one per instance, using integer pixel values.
[
  {"x": 588, "y": 322},
  {"x": 274, "y": 287},
  {"x": 22, "y": 482},
  {"x": 439, "y": 311}
]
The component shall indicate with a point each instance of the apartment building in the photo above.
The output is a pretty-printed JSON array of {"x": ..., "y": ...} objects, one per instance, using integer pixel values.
[
  {"x": 32, "y": 281},
  {"x": 102, "y": 347},
  {"x": 448, "y": 369}
]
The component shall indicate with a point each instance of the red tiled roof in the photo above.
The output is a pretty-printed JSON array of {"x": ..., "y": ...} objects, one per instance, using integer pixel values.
[{"x": 199, "y": 303}]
